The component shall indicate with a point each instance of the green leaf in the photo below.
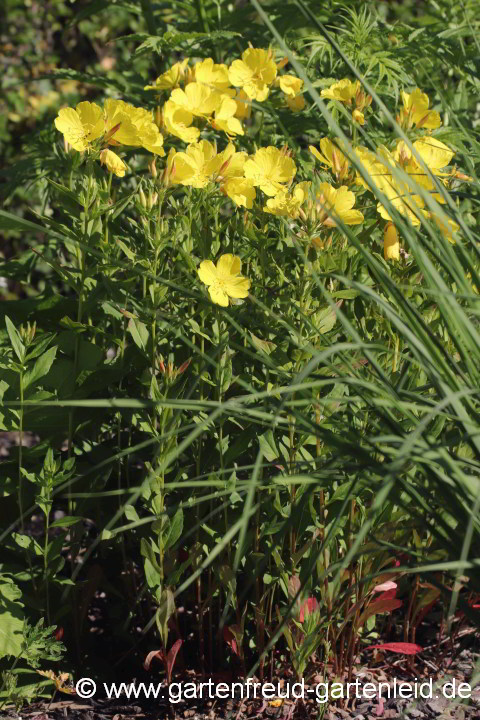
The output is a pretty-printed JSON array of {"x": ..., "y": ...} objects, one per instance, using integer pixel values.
[
  {"x": 40, "y": 347},
  {"x": 66, "y": 521},
  {"x": 163, "y": 614},
  {"x": 15, "y": 339},
  {"x": 265, "y": 346},
  {"x": 268, "y": 446},
  {"x": 11, "y": 619},
  {"x": 92, "y": 8},
  {"x": 175, "y": 530},
  {"x": 139, "y": 333},
  {"x": 129, "y": 253},
  {"x": 325, "y": 319},
  {"x": 71, "y": 199},
  {"x": 41, "y": 367},
  {"x": 171, "y": 39},
  {"x": 131, "y": 514}
]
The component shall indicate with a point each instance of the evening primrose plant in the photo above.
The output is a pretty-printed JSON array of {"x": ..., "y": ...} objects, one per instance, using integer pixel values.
[{"x": 256, "y": 357}]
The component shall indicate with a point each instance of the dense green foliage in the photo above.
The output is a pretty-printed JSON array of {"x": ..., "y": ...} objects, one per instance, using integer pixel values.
[{"x": 312, "y": 440}]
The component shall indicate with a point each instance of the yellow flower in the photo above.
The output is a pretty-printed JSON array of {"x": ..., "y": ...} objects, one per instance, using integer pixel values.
[
  {"x": 197, "y": 166},
  {"x": 82, "y": 125},
  {"x": 113, "y": 162},
  {"x": 332, "y": 205},
  {"x": 290, "y": 85},
  {"x": 415, "y": 111},
  {"x": 286, "y": 204},
  {"x": 150, "y": 137},
  {"x": 197, "y": 99},
  {"x": 391, "y": 244},
  {"x": 343, "y": 90},
  {"x": 296, "y": 104},
  {"x": 231, "y": 163},
  {"x": 240, "y": 190},
  {"x": 119, "y": 127},
  {"x": 270, "y": 170},
  {"x": 224, "y": 281},
  {"x": 400, "y": 193},
  {"x": 333, "y": 157},
  {"x": 434, "y": 154},
  {"x": 255, "y": 72},
  {"x": 211, "y": 74},
  {"x": 225, "y": 118},
  {"x": 171, "y": 78},
  {"x": 129, "y": 125},
  {"x": 244, "y": 105},
  {"x": 177, "y": 121},
  {"x": 447, "y": 228}
]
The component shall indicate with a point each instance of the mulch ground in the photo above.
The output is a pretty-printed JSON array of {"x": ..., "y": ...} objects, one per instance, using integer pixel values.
[{"x": 459, "y": 667}]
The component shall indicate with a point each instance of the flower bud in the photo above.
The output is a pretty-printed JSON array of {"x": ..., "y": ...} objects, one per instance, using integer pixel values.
[
  {"x": 391, "y": 244},
  {"x": 358, "y": 117},
  {"x": 142, "y": 197},
  {"x": 152, "y": 166},
  {"x": 151, "y": 200},
  {"x": 360, "y": 99}
]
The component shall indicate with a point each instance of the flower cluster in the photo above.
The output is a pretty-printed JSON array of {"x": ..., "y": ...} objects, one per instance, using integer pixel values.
[
  {"x": 118, "y": 123},
  {"x": 218, "y": 97},
  {"x": 221, "y": 95},
  {"x": 346, "y": 91}
]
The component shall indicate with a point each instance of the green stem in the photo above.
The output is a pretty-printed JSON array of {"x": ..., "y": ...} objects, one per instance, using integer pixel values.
[
  {"x": 45, "y": 565},
  {"x": 149, "y": 17},
  {"x": 20, "y": 455},
  {"x": 221, "y": 422},
  {"x": 202, "y": 16},
  {"x": 82, "y": 266},
  {"x": 109, "y": 186}
]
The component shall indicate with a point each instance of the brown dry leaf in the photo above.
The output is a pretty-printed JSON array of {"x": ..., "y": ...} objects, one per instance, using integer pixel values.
[{"x": 58, "y": 680}]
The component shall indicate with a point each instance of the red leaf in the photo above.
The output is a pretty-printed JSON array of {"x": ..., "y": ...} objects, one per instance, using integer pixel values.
[
  {"x": 309, "y": 606},
  {"x": 171, "y": 657},
  {"x": 230, "y": 639},
  {"x": 160, "y": 654},
  {"x": 385, "y": 586},
  {"x": 404, "y": 648},
  {"x": 388, "y": 595}
]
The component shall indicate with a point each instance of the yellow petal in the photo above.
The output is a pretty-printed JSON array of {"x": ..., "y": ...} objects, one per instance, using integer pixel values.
[
  {"x": 391, "y": 244},
  {"x": 229, "y": 264},
  {"x": 240, "y": 190},
  {"x": 290, "y": 85},
  {"x": 434, "y": 153},
  {"x": 207, "y": 272},
  {"x": 113, "y": 162},
  {"x": 238, "y": 287},
  {"x": 218, "y": 295},
  {"x": 296, "y": 104}
]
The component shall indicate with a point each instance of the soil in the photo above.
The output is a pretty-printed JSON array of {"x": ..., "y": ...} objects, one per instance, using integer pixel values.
[{"x": 463, "y": 655}]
